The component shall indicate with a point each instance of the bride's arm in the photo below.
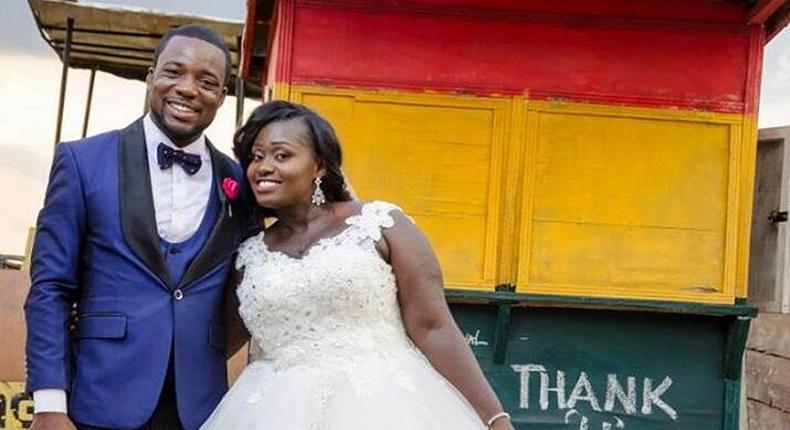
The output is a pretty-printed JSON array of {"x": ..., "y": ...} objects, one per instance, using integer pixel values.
[
  {"x": 428, "y": 320},
  {"x": 236, "y": 334}
]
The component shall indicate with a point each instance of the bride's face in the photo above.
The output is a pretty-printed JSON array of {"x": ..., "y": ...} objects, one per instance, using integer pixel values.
[{"x": 283, "y": 165}]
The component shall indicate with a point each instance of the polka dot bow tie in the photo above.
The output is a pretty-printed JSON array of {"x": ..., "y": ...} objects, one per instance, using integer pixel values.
[{"x": 166, "y": 156}]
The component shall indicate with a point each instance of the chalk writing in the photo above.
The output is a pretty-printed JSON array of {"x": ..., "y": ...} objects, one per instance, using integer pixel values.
[
  {"x": 474, "y": 340},
  {"x": 617, "y": 398}
]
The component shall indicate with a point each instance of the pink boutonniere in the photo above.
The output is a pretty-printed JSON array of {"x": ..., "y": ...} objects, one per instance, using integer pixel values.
[{"x": 231, "y": 188}]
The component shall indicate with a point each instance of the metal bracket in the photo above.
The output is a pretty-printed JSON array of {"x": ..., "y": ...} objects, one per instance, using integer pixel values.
[{"x": 777, "y": 216}]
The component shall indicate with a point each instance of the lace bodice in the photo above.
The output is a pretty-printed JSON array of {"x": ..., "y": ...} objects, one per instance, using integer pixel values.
[{"x": 337, "y": 302}]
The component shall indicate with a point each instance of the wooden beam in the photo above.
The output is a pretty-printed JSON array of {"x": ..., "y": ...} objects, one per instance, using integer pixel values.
[
  {"x": 763, "y": 10},
  {"x": 777, "y": 22}
]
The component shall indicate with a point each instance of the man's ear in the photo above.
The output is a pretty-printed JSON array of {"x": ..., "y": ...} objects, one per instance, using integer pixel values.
[
  {"x": 224, "y": 93},
  {"x": 149, "y": 76}
]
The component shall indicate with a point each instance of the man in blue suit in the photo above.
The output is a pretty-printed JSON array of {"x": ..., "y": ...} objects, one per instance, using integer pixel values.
[{"x": 138, "y": 230}]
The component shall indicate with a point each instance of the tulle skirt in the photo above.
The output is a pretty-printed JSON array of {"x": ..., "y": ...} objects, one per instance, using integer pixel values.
[{"x": 358, "y": 393}]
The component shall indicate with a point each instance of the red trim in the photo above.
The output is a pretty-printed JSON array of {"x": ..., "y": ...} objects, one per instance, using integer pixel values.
[
  {"x": 247, "y": 38},
  {"x": 583, "y": 97},
  {"x": 763, "y": 10},
  {"x": 665, "y": 64},
  {"x": 777, "y": 22},
  {"x": 286, "y": 10},
  {"x": 699, "y": 11},
  {"x": 755, "y": 69}
]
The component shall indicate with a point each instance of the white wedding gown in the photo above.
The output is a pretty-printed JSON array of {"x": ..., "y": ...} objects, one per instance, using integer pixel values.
[{"x": 336, "y": 355}]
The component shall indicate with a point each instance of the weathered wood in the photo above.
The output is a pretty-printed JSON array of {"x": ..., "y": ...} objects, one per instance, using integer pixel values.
[
  {"x": 762, "y": 417},
  {"x": 769, "y": 273},
  {"x": 765, "y": 250},
  {"x": 541, "y": 300},
  {"x": 13, "y": 290},
  {"x": 768, "y": 379},
  {"x": 770, "y": 333}
]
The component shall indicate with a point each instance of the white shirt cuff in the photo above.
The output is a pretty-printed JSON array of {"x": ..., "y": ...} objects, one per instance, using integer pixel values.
[{"x": 49, "y": 400}]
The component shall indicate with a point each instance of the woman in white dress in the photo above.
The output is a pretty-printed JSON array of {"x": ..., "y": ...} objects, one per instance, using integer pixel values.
[{"x": 345, "y": 300}]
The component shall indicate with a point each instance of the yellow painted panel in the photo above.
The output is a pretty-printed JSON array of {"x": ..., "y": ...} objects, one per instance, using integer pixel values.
[
  {"x": 557, "y": 198},
  {"x": 632, "y": 171},
  {"x": 438, "y": 157},
  {"x": 626, "y": 256},
  {"x": 630, "y": 203}
]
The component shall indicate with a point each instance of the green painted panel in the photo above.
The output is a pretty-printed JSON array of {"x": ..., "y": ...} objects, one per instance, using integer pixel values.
[{"x": 604, "y": 369}]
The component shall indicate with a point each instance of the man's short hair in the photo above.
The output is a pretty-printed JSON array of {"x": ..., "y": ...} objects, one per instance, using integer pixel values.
[{"x": 196, "y": 31}]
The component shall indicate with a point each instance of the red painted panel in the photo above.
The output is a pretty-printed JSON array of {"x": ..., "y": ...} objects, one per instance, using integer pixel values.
[{"x": 639, "y": 63}]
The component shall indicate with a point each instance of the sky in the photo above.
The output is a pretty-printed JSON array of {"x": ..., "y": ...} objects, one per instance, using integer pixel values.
[{"x": 30, "y": 77}]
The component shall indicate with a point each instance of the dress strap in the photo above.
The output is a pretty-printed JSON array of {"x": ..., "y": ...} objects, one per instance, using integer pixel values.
[{"x": 373, "y": 217}]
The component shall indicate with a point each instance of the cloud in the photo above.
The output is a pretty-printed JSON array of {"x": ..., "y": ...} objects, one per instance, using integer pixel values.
[{"x": 775, "y": 89}]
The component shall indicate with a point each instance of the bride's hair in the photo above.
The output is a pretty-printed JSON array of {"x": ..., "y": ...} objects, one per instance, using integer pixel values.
[{"x": 326, "y": 146}]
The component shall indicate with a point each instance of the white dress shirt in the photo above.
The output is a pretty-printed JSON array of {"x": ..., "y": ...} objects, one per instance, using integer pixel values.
[{"x": 180, "y": 201}]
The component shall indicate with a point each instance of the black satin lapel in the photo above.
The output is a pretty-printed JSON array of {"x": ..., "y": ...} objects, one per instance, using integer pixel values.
[
  {"x": 225, "y": 233},
  {"x": 138, "y": 218}
]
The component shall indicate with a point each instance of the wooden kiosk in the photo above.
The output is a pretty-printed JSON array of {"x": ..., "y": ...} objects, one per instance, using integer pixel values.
[{"x": 584, "y": 169}]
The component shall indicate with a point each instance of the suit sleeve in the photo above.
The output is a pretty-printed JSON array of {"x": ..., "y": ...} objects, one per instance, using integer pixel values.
[{"x": 55, "y": 273}]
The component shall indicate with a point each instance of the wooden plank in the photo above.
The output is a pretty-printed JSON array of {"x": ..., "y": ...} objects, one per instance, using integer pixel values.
[
  {"x": 768, "y": 381},
  {"x": 502, "y": 295},
  {"x": 630, "y": 202},
  {"x": 14, "y": 285},
  {"x": 446, "y": 172},
  {"x": 764, "y": 281},
  {"x": 769, "y": 280},
  {"x": 763, "y": 10},
  {"x": 763, "y": 417},
  {"x": 770, "y": 333}
]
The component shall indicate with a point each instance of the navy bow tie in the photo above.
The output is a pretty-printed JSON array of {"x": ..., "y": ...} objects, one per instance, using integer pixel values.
[{"x": 166, "y": 156}]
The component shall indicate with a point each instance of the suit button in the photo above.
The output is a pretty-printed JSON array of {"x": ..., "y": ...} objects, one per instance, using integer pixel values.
[{"x": 178, "y": 294}]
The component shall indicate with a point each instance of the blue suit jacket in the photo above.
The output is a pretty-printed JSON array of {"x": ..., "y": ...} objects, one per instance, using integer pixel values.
[{"x": 97, "y": 245}]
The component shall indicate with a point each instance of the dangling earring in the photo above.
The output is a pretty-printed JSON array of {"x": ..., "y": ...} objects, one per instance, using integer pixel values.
[{"x": 318, "y": 197}]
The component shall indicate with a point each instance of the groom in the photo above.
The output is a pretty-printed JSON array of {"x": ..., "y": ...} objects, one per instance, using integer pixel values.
[{"x": 138, "y": 230}]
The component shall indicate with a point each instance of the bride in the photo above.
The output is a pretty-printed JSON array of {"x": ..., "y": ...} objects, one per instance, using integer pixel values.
[{"x": 345, "y": 300}]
